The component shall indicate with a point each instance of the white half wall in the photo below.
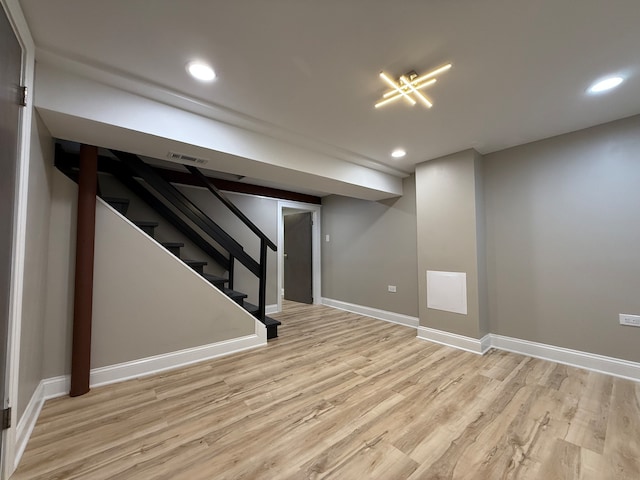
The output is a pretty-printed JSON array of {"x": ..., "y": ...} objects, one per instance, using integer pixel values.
[{"x": 147, "y": 302}]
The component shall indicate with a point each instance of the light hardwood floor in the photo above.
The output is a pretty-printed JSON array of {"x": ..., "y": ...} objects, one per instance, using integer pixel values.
[{"x": 346, "y": 397}]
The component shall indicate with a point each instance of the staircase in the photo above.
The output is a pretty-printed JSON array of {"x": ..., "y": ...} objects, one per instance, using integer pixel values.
[{"x": 183, "y": 215}]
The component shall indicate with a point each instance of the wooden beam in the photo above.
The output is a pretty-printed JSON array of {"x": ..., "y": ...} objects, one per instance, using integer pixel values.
[{"x": 83, "y": 296}]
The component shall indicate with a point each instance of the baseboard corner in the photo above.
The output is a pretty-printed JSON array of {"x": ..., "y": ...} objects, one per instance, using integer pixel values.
[{"x": 461, "y": 342}]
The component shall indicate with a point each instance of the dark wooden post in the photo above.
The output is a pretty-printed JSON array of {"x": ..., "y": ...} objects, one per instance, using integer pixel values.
[
  {"x": 262, "y": 292},
  {"x": 83, "y": 301}
]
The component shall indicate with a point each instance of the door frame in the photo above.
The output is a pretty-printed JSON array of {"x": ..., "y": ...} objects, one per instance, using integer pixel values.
[
  {"x": 11, "y": 451},
  {"x": 316, "y": 257}
]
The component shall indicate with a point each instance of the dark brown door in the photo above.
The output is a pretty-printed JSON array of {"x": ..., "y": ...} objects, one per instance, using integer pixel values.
[
  {"x": 298, "y": 285},
  {"x": 10, "y": 65}
]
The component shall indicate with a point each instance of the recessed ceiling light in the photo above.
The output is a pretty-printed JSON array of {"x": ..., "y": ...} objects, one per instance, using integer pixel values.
[
  {"x": 398, "y": 153},
  {"x": 605, "y": 84},
  {"x": 201, "y": 71}
]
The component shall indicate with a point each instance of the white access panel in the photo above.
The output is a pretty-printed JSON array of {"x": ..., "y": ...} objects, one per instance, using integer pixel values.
[{"x": 447, "y": 291}]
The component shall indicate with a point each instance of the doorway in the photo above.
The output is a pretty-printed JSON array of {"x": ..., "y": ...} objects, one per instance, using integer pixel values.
[
  {"x": 304, "y": 217},
  {"x": 298, "y": 268},
  {"x": 10, "y": 75}
]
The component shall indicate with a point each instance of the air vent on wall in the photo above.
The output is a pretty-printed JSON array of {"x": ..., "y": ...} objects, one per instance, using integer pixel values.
[{"x": 186, "y": 158}]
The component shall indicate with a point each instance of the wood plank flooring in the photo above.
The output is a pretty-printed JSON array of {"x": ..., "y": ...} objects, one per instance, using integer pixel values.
[{"x": 341, "y": 396}]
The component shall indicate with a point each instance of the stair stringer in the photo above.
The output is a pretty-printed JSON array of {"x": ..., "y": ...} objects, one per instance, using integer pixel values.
[{"x": 146, "y": 302}]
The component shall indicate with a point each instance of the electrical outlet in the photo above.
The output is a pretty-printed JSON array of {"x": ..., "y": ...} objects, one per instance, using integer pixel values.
[
  {"x": 392, "y": 288},
  {"x": 631, "y": 320}
]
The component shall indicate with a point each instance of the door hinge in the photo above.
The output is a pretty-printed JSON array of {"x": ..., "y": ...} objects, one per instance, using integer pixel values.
[
  {"x": 23, "y": 96},
  {"x": 6, "y": 418}
]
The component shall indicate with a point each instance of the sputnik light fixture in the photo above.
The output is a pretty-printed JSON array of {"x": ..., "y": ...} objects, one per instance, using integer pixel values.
[{"x": 408, "y": 87}]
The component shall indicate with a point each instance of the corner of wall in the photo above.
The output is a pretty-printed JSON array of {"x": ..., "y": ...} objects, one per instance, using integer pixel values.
[{"x": 481, "y": 253}]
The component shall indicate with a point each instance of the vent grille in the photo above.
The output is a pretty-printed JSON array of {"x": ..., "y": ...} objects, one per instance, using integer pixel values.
[{"x": 186, "y": 158}]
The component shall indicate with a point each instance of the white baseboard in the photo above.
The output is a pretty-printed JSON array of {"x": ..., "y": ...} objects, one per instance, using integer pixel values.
[
  {"x": 59, "y": 386},
  {"x": 575, "y": 358},
  {"x": 28, "y": 421},
  {"x": 269, "y": 309},
  {"x": 392, "y": 317},
  {"x": 160, "y": 363},
  {"x": 473, "y": 345}
]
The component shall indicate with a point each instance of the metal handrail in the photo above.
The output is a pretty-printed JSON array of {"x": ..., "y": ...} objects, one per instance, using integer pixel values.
[
  {"x": 188, "y": 208},
  {"x": 119, "y": 171},
  {"x": 264, "y": 240},
  {"x": 231, "y": 206}
]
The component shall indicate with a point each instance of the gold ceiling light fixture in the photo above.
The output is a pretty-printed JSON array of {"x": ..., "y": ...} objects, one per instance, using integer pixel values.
[{"x": 408, "y": 87}]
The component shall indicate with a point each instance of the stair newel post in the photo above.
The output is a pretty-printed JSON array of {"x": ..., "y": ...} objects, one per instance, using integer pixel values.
[
  {"x": 262, "y": 301},
  {"x": 232, "y": 261},
  {"x": 83, "y": 294}
]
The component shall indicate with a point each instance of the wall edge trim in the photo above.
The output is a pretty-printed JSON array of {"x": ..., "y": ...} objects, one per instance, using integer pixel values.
[{"x": 392, "y": 317}]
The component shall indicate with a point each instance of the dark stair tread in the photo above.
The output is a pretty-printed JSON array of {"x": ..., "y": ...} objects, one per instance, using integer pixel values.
[
  {"x": 146, "y": 224},
  {"x": 250, "y": 307},
  {"x": 173, "y": 247},
  {"x": 272, "y": 327},
  {"x": 268, "y": 321},
  {"x": 232, "y": 293},
  {"x": 173, "y": 244},
  {"x": 195, "y": 263},
  {"x": 216, "y": 280},
  {"x": 121, "y": 205},
  {"x": 115, "y": 199},
  {"x": 147, "y": 227}
]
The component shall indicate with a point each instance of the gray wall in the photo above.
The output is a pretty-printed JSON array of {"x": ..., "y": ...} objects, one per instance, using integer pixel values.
[
  {"x": 563, "y": 239},
  {"x": 35, "y": 269},
  {"x": 60, "y": 276},
  {"x": 449, "y": 229},
  {"x": 372, "y": 245}
]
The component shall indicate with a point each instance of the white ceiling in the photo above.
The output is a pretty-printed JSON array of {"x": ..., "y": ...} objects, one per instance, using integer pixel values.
[{"x": 307, "y": 71}]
